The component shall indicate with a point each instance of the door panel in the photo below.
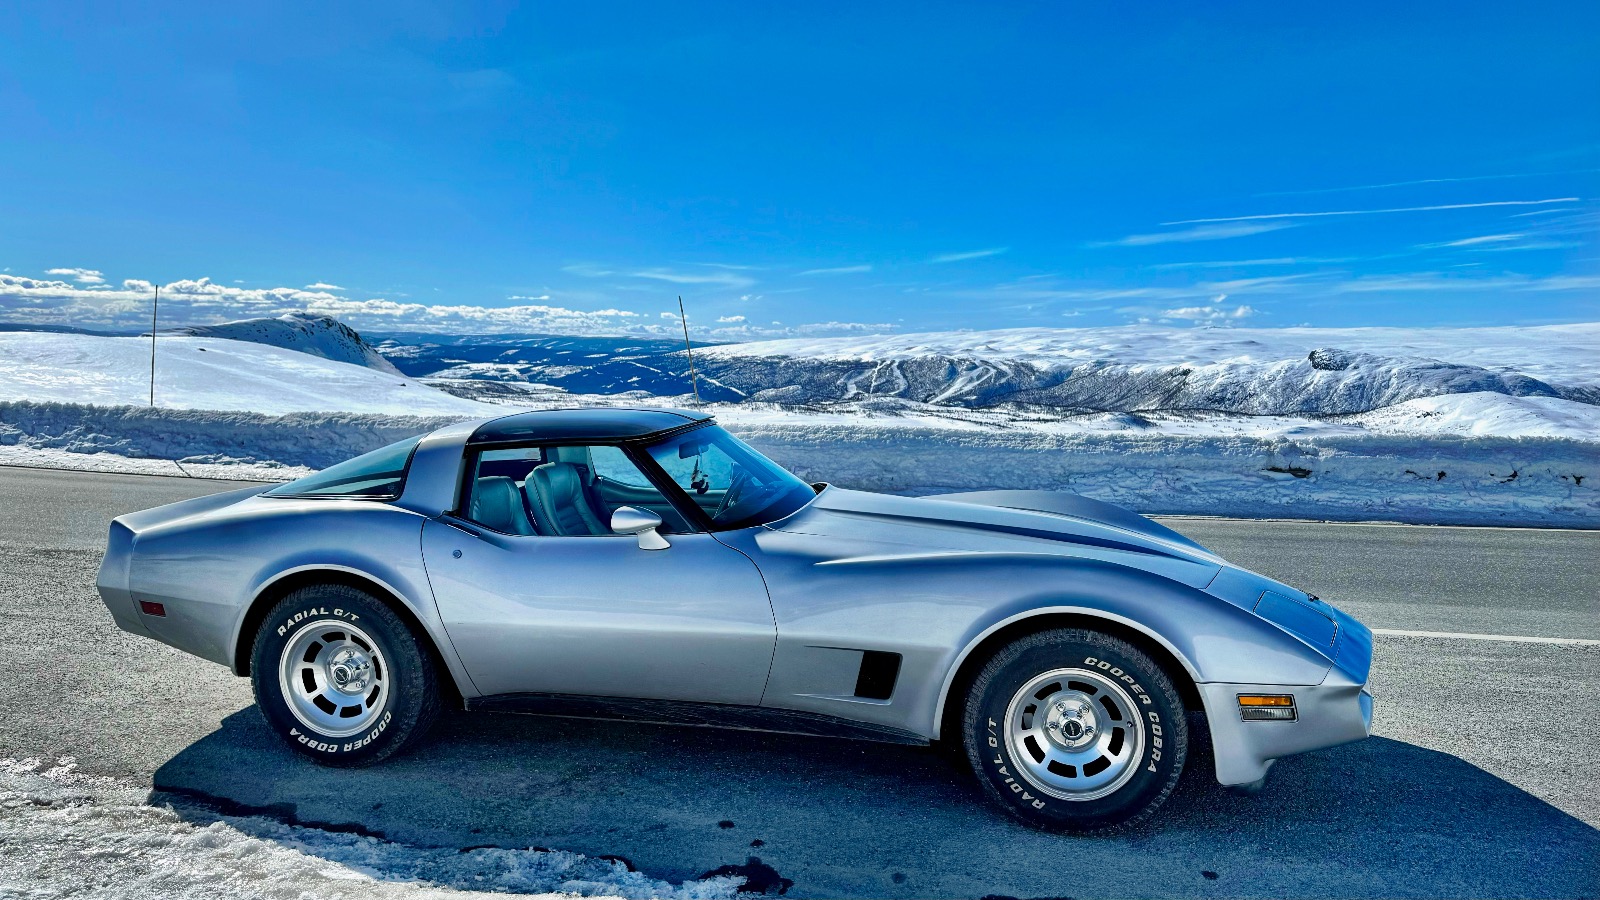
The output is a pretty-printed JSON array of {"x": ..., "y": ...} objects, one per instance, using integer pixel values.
[{"x": 599, "y": 616}]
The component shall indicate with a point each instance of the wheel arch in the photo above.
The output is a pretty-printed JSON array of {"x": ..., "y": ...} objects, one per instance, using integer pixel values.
[
  {"x": 981, "y": 649},
  {"x": 287, "y": 583}
]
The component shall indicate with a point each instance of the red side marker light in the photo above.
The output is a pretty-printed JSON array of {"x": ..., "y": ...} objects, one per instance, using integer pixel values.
[{"x": 151, "y": 608}]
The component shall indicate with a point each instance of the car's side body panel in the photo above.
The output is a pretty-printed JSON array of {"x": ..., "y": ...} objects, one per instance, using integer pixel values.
[{"x": 600, "y": 616}]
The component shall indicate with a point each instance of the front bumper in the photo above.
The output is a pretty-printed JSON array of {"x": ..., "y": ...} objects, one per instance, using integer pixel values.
[
  {"x": 1329, "y": 714},
  {"x": 1337, "y": 711}
]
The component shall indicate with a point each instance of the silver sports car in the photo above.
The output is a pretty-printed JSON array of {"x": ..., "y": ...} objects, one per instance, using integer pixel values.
[{"x": 645, "y": 564}]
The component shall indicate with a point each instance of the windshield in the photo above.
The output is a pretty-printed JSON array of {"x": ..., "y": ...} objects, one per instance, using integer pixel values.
[
  {"x": 734, "y": 485},
  {"x": 376, "y": 475}
]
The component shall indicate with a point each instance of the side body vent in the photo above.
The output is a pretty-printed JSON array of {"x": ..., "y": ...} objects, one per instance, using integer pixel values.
[{"x": 879, "y": 671}]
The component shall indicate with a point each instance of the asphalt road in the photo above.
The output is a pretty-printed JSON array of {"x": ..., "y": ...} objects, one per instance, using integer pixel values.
[{"x": 1483, "y": 778}]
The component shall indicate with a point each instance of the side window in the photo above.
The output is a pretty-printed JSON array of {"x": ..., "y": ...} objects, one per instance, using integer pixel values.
[
  {"x": 496, "y": 496},
  {"x": 561, "y": 491},
  {"x": 379, "y": 475}
]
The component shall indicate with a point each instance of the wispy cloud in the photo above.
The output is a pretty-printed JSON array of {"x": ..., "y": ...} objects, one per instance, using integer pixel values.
[
  {"x": 720, "y": 274},
  {"x": 323, "y": 286},
  {"x": 840, "y": 270},
  {"x": 1475, "y": 241},
  {"x": 969, "y": 254},
  {"x": 1248, "y": 263},
  {"x": 1372, "y": 212},
  {"x": 1199, "y": 233},
  {"x": 1395, "y": 184},
  {"x": 81, "y": 276},
  {"x": 537, "y": 299},
  {"x": 723, "y": 320}
]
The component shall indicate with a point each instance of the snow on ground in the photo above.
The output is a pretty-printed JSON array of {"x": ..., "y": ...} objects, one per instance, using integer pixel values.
[
  {"x": 206, "y": 373},
  {"x": 63, "y": 834},
  {"x": 322, "y": 336}
]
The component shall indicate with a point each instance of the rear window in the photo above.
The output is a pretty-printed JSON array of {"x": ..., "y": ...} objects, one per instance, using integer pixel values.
[{"x": 379, "y": 475}]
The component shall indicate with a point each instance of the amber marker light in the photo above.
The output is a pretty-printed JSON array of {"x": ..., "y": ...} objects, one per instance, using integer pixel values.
[{"x": 1267, "y": 707}]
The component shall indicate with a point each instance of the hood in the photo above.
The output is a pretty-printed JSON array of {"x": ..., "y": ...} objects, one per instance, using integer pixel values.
[
  {"x": 1074, "y": 506},
  {"x": 940, "y": 526}
]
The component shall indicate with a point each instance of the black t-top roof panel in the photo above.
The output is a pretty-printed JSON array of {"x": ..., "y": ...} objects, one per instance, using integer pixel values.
[{"x": 592, "y": 424}]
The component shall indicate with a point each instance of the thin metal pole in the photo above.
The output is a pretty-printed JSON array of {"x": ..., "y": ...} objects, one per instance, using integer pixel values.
[
  {"x": 155, "y": 310},
  {"x": 693, "y": 379}
]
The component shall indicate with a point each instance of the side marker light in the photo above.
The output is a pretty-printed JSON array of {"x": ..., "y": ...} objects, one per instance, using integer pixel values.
[{"x": 1267, "y": 708}]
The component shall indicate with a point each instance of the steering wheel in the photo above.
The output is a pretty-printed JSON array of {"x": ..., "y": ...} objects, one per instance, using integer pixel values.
[{"x": 734, "y": 493}]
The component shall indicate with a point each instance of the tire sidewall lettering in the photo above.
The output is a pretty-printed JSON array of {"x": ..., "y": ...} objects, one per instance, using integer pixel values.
[{"x": 310, "y": 613}]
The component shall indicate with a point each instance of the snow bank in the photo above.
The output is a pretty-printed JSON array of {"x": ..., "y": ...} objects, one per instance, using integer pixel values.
[
  {"x": 1547, "y": 482},
  {"x": 1334, "y": 472},
  {"x": 205, "y": 373},
  {"x": 62, "y": 833},
  {"x": 314, "y": 440},
  {"x": 322, "y": 336}
]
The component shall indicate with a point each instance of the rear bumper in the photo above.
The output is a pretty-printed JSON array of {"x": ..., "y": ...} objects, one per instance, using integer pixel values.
[{"x": 1328, "y": 715}]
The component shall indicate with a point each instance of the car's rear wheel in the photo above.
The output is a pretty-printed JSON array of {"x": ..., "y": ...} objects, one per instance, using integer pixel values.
[
  {"x": 341, "y": 678},
  {"x": 1074, "y": 730}
]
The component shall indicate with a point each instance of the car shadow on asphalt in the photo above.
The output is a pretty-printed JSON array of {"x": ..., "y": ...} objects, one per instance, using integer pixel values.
[{"x": 843, "y": 818}]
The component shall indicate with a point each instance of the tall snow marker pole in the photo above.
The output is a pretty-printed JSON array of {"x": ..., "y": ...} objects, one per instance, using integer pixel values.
[
  {"x": 694, "y": 381},
  {"x": 155, "y": 309}
]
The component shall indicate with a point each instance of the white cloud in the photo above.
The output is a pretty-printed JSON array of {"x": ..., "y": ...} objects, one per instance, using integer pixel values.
[
  {"x": 198, "y": 301},
  {"x": 1211, "y": 314},
  {"x": 81, "y": 276},
  {"x": 1371, "y": 212},
  {"x": 969, "y": 254},
  {"x": 840, "y": 270},
  {"x": 539, "y": 298},
  {"x": 748, "y": 297},
  {"x": 726, "y": 319},
  {"x": 1198, "y": 233},
  {"x": 323, "y": 286}
]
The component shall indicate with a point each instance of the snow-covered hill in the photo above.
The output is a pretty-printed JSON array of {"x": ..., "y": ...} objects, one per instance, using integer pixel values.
[
  {"x": 207, "y": 373},
  {"x": 322, "y": 336}
]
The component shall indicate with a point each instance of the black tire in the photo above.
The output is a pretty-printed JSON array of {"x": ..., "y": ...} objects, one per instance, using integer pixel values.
[
  {"x": 1140, "y": 771},
  {"x": 394, "y": 713}
]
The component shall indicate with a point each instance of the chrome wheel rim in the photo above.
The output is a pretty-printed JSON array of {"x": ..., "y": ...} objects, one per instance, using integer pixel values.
[
  {"x": 334, "y": 677},
  {"x": 1075, "y": 734}
]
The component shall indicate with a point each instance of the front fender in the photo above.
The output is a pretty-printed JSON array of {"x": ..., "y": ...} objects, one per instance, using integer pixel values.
[
  {"x": 1212, "y": 640},
  {"x": 837, "y": 596}
]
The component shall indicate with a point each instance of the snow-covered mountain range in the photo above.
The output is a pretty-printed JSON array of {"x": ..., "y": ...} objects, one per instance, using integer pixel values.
[{"x": 1485, "y": 425}]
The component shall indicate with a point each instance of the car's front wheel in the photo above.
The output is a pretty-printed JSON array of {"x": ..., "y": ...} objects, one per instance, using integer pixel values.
[
  {"x": 1075, "y": 730},
  {"x": 341, "y": 678}
]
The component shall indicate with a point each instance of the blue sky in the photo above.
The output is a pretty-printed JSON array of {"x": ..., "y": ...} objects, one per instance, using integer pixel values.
[{"x": 823, "y": 168}]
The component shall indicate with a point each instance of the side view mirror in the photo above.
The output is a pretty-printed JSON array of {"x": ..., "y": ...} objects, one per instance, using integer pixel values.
[{"x": 633, "y": 520}]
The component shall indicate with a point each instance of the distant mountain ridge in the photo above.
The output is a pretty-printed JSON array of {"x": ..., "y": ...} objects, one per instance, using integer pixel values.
[{"x": 322, "y": 336}]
